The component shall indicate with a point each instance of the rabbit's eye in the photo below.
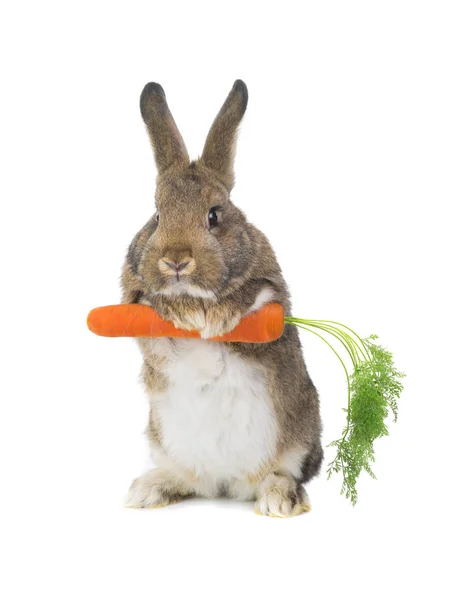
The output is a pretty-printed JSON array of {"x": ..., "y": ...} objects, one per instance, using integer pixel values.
[
  {"x": 157, "y": 217},
  {"x": 212, "y": 218}
]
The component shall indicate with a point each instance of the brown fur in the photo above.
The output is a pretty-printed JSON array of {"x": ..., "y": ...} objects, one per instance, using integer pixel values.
[{"x": 234, "y": 261}]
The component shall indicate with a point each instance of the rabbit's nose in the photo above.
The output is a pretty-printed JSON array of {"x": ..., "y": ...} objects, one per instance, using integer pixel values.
[{"x": 177, "y": 266}]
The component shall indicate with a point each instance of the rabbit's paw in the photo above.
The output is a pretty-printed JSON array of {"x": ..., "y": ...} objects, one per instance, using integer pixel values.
[
  {"x": 280, "y": 496},
  {"x": 155, "y": 489},
  {"x": 219, "y": 322},
  {"x": 190, "y": 321}
]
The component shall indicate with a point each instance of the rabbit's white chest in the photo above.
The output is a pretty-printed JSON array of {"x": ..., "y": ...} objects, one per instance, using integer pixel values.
[{"x": 216, "y": 416}]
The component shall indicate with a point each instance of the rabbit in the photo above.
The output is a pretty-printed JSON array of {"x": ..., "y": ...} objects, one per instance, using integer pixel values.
[{"x": 226, "y": 419}]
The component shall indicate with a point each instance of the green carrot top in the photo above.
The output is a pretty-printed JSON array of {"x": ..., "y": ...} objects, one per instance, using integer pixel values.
[{"x": 374, "y": 387}]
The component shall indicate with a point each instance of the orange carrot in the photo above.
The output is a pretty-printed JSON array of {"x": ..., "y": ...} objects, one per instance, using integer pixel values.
[{"x": 138, "y": 320}]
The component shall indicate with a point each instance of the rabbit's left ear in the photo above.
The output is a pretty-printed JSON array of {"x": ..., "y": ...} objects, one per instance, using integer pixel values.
[
  {"x": 219, "y": 149},
  {"x": 167, "y": 142}
]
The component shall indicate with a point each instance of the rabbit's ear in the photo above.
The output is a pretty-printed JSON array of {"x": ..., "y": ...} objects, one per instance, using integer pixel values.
[
  {"x": 219, "y": 149},
  {"x": 167, "y": 142}
]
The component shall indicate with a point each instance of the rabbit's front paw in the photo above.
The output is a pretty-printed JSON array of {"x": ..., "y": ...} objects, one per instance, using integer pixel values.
[
  {"x": 219, "y": 322},
  {"x": 155, "y": 489},
  {"x": 279, "y": 496},
  {"x": 191, "y": 321}
]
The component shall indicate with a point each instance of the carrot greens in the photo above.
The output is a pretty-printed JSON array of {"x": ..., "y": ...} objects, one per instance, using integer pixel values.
[{"x": 374, "y": 386}]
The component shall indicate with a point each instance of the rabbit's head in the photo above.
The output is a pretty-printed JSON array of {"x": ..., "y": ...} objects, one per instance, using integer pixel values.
[{"x": 197, "y": 243}]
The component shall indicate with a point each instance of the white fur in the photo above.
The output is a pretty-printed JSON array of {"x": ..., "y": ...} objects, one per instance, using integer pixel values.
[
  {"x": 292, "y": 461},
  {"x": 187, "y": 289},
  {"x": 216, "y": 416},
  {"x": 263, "y": 297}
]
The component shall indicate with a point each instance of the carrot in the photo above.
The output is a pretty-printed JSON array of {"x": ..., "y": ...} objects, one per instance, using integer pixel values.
[{"x": 138, "y": 320}]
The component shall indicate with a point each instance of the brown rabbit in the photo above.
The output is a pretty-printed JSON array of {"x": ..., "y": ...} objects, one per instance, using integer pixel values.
[{"x": 240, "y": 420}]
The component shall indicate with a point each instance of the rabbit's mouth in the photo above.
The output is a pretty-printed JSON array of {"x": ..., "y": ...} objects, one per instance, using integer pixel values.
[
  {"x": 182, "y": 287},
  {"x": 177, "y": 278}
]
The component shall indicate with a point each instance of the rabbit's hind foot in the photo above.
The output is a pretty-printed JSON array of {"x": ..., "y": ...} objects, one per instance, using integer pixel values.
[
  {"x": 156, "y": 488},
  {"x": 281, "y": 496}
]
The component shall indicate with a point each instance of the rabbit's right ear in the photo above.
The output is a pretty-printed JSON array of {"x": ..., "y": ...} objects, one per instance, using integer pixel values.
[{"x": 167, "y": 142}]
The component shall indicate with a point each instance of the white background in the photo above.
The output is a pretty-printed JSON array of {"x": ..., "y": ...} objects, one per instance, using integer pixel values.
[{"x": 342, "y": 162}]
